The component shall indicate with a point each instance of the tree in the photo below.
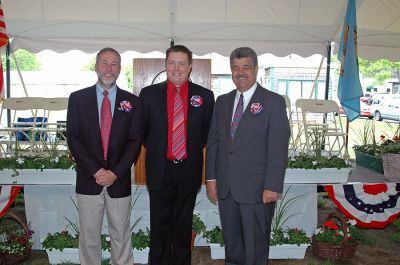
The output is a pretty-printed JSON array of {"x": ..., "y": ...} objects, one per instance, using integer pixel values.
[
  {"x": 381, "y": 70},
  {"x": 26, "y": 61}
]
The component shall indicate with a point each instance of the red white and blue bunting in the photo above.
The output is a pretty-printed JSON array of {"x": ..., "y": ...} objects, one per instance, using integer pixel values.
[
  {"x": 7, "y": 197},
  {"x": 371, "y": 205}
]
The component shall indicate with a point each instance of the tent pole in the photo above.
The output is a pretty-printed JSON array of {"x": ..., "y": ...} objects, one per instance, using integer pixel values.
[
  {"x": 8, "y": 78},
  {"x": 328, "y": 69}
]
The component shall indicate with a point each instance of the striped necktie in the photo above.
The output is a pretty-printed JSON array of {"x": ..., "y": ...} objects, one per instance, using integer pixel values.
[
  {"x": 236, "y": 117},
  {"x": 105, "y": 125},
  {"x": 178, "y": 128}
]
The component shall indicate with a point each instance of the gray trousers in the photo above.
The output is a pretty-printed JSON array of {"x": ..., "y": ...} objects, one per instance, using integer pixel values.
[{"x": 246, "y": 230}]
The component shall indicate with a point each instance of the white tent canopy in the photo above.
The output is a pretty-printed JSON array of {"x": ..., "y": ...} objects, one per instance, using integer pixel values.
[{"x": 280, "y": 27}]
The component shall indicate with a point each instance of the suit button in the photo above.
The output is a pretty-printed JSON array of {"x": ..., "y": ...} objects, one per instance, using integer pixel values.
[{"x": 231, "y": 153}]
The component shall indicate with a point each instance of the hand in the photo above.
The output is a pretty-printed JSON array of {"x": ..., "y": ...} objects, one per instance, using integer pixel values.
[
  {"x": 269, "y": 196},
  {"x": 99, "y": 172},
  {"x": 106, "y": 178},
  {"x": 211, "y": 186}
]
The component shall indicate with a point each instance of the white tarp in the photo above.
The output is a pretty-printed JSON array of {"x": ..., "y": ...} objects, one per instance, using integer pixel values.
[{"x": 280, "y": 27}]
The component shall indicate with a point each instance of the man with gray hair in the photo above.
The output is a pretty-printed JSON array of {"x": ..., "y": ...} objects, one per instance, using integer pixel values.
[{"x": 247, "y": 151}]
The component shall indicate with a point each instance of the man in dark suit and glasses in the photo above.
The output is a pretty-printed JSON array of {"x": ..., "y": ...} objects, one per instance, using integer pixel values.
[
  {"x": 177, "y": 116},
  {"x": 104, "y": 136},
  {"x": 247, "y": 151}
]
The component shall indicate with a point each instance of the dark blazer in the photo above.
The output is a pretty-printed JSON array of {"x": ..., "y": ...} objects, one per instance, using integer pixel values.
[
  {"x": 256, "y": 158},
  {"x": 155, "y": 131},
  {"x": 84, "y": 141}
]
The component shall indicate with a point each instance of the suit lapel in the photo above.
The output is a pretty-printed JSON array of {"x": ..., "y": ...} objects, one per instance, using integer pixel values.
[
  {"x": 247, "y": 115},
  {"x": 229, "y": 106}
]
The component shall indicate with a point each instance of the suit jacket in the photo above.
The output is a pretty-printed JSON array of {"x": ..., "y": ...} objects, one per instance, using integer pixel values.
[
  {"x": 84, "y": 141},
  {"x": 256, "y": 158},
  {"x": 155, "y": 131}
]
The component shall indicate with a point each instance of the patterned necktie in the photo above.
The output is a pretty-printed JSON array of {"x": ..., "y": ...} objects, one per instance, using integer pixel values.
[
  {"x": 178, "y": 128},
  {"x": 105, "y": 123},
  {"x": 236, "y": 117}
]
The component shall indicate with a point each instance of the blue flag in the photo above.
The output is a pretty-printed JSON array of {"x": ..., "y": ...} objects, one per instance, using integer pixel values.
[{"x": 349, "y": 91}]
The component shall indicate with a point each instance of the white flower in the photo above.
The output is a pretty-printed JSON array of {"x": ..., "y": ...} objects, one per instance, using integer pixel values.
[
  {"x": 293, "y": 159},
  {"x": 314, "y": 163},
  {"x": 107, "y": 238},
  {"x": 55, "y": 159},
  {"x": 318, "y": 231},
  {"x": 352, "y": 222},
  {"x": 20, "y": 160},
  {"x": 3, "y": 238}
]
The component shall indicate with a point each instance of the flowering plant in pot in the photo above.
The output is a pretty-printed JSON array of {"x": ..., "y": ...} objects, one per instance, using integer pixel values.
[
  {"x": 141, "y": 239},
  {"x": 15, "y": 239}
]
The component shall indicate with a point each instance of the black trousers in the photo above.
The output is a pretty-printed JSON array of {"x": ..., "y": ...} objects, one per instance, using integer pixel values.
[{"x": 171, "y": 211}]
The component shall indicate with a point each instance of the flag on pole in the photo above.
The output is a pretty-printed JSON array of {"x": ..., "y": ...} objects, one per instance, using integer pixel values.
[
  {"x": 3, "y": 42},
  {"x": 349, "y": 90}
]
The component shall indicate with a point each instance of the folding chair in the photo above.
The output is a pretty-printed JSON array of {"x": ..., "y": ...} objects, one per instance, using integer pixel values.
[
  {"x": 321, "y": 123},
  {"x": 18, "y": 136},
  {"x": 52, "y": 134}
]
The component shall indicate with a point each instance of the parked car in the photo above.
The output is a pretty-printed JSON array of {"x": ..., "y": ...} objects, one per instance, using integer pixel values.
[{"x": 387, "y": 108}]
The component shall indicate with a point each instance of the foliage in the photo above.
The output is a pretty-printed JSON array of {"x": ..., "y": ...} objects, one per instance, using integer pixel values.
[
  {"x": 141, "y": 239},
  {"x": 63, "y": 239},
  {"x": 332, "y": 233},
  {"x": 128, "y": 71},
  {"x": 383, "y": 147},
  {"x": 61, "y": 161},
  {"x": 396, "y": 235},
  {"x": 26, "y": 61},
  {"x": 381, "y": 69},
  {"x": 214, "y": 236},
  {"x": 292, "y": 236},
  {"x": 281, "y": 209},
  {"x": 60, "y": 240},
  {"x": 14, "y": 240},
  {"x": 313, "y": 162},
  {"x": 198, "y": 225}
]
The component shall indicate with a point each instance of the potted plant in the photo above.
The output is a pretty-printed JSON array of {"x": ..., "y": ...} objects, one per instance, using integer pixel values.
[
  {"x": 290, "y": 243},
  {"x": 38, "y": 168},
  {"x": 63, "y": 246},
  {"x": 315, "y": 165},
  {"x": 337, "y": 239},
  {"x": 216, "y": 242},
  {"x": 286, "y": 243},
  {"x": 141, "y": 246},
  {"x": 15, "y": 239},
  {"x": 390, "y": 149},
  {"x": 198, "y": 227}
]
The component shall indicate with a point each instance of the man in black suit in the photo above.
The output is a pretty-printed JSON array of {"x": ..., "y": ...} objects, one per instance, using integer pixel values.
[
  {"x": 104, "y": 136},
  {"x": 247, "y": 151},
  {"x": 176, "y": 120}
]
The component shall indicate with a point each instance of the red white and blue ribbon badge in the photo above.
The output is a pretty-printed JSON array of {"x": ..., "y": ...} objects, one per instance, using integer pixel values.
[
  {"x": 125, "y": 106},
  {"x": 196, "y": 101},
  {"x": 256, "y": 108},
  {"x": 371, "y": 205}
]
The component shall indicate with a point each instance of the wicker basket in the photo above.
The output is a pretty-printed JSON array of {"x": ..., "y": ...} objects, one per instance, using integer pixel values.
[
  {"x": 16, "y": 223},
  {"x": 342, "y": 252},
  {"x": 391, "y": 167}
]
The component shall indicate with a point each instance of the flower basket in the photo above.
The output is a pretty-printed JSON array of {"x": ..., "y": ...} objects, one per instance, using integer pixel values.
[
  {"x": 7, "y": 258},
  {"x": 342, "y": 252},
  {"x": 391, "y": 167}
]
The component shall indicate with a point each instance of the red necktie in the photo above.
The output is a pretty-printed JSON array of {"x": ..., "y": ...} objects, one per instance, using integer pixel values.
[
  {"x": 178, "y": 128},
  {"x": 105, "y": 124}
]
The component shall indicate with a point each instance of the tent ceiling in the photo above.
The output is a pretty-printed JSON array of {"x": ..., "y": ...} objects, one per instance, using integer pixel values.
[{"x": 269, "y": 26}]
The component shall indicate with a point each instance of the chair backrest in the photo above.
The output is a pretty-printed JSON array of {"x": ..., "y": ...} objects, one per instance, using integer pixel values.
[
  {"x": 317, "y": 105},
  {"x": 20, "y": 104},
  {"x": 54, "y": 104}
]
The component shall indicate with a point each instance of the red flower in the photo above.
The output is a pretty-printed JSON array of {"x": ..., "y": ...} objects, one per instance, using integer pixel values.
[
  {"x": 382, "y": 137},
  {"x": 331, "y": 225}
]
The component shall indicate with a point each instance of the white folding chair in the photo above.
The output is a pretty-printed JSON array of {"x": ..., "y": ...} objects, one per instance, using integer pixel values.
[
  {"x": 321, "y": 121},
  {"x": 53, "y": 133},
  {"x": 19, "y": 135}
]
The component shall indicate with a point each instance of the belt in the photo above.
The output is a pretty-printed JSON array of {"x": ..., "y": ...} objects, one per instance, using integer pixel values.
[{"x": 176, "y": 161}]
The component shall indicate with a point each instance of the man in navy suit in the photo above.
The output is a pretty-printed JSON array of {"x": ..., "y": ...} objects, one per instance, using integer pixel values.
[
  {"x": 174, "y": 155},
  {"x": 247, "y": 151},
  {"x": 104, "y": 136}
]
